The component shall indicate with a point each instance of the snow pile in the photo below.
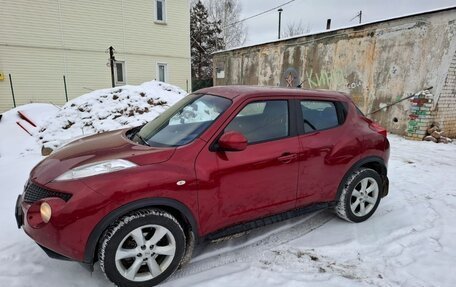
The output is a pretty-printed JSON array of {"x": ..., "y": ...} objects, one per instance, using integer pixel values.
[
  {"x": 38, "y": 113},
  {"x": 108, "y": 109},
  {"x": 14, "y": 139}
]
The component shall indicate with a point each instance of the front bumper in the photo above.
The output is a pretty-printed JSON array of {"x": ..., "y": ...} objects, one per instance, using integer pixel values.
[
  {"x": 19, "y": 214},
  {"x": 65, "y": 235}
]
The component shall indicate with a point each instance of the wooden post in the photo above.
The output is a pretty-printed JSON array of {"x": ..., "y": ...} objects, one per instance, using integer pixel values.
[
  {"x": 65, "y": 86},
  {"x": 111, "y": 63},
  {"x": 12, "y": 90}
]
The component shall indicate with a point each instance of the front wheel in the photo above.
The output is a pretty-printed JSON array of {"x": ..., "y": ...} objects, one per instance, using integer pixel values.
[
  {"x": 142, "y": 249},
  {"x": 361, "y": 195}
]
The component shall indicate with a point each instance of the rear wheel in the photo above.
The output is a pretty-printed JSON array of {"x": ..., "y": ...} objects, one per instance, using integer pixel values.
[
  {"x": 142, "y": 249},
  {"x": 361, "y": 195}
]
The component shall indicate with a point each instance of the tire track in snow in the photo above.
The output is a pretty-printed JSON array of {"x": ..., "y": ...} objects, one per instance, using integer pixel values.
[{"x": 251, "y": 246}]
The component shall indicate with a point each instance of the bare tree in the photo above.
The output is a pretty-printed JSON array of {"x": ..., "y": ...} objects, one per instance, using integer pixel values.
[
  {"x": 295, "y": 28},
  {"x": 228, "y": 12}
]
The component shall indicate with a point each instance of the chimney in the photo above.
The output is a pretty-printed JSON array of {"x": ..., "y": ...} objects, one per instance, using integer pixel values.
[{"x": 328, "y": 24}]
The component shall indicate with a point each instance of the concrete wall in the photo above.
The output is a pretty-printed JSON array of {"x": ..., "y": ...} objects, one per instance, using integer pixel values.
[
  {"x": 376, "y": 64},
  {"x": 40, "y": 41}
]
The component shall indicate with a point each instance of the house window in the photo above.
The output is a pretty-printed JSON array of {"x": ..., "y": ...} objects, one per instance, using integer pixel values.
[
  {"x": 160, "y": 15},
  {"x": 162, "y": 71},
  {"x": 119, "y": 73},
  {"x": 220, "y": 70}
]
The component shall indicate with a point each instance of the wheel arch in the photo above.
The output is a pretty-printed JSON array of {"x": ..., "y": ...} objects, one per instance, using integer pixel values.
[
  {"x": 374, "y": 162},
  {"x": 176, "y": 208}
]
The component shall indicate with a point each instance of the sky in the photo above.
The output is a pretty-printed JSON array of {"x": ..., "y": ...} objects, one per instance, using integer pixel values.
[{"x": 313, "y": 14}]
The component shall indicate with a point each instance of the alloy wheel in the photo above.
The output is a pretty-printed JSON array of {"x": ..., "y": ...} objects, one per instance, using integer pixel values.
[
  {"x": 145, "y": 253},
  {"x": 364, "y": 196}
]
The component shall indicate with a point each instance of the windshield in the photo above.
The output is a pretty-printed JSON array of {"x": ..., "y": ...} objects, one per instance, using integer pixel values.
[{"x": 184, "y": 121}]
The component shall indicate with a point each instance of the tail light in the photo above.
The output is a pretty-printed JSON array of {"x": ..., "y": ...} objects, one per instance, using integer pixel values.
[{"x": 378, "y": 128}]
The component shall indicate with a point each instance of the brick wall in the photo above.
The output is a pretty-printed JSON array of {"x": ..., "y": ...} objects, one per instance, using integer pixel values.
[
  {"x": 445, "y": 113},
  {"x": 420, "y": 115}
]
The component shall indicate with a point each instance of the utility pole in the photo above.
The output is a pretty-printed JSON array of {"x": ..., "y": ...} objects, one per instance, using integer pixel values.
[
  {"x": 280, "y": 20},
  {"x": 112, "y": 59}
]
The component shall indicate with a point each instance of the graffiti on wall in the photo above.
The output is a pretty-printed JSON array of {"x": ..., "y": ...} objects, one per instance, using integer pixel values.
[
  {"x": 290, "y": 78},
  {"x": 321, "y": 79},
  {"x": 419, "y": 117},
  {"x": 324, "y": 79}
]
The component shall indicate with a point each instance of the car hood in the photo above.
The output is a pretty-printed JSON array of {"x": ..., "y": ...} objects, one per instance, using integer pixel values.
[{"x": 95, "y": 148}]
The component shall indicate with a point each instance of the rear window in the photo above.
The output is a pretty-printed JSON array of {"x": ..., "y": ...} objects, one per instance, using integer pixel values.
[{"x": 319, "y": 115}]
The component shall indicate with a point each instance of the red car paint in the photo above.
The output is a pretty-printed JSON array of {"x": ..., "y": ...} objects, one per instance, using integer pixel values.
[{"x": 221, "y": 188}]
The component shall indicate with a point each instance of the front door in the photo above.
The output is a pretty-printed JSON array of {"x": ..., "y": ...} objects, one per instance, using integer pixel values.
[{"x": 239, "y": 186}]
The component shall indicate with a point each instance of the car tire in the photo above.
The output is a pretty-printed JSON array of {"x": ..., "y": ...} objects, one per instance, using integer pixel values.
[
  {"x": 142, "y": 248},
  {"x": 360, "y": 195}
]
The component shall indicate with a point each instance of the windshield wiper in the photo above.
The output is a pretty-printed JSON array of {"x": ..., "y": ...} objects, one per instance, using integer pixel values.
[{"x": 142, "y": 139}]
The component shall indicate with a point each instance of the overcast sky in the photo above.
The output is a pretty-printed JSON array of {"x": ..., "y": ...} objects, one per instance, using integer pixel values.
[{"x": 313, "y": 13}]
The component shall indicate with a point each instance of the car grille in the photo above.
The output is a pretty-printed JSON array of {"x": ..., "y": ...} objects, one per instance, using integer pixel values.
[{"x": 34, "y": 193}]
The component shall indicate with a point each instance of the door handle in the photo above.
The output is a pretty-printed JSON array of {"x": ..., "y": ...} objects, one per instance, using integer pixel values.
[{"x": 287, "y": 157}]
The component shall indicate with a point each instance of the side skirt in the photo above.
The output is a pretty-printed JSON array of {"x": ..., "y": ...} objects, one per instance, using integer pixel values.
[{"x": 246, "y": 226}]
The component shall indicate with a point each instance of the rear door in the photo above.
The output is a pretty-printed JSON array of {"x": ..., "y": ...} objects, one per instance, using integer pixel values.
[
  {"x": 258, "y": 181},
  {"x": 324, "y": 149}
]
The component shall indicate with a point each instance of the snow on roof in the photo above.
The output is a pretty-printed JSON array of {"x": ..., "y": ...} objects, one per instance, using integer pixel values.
[{"x": 337, "y": 29}]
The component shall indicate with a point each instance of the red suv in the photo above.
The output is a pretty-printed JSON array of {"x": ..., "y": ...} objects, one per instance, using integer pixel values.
[{"x": 221, "y": 161}]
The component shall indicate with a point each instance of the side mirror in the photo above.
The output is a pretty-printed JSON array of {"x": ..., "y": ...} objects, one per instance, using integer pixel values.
[{"x": 232, "y": 141}]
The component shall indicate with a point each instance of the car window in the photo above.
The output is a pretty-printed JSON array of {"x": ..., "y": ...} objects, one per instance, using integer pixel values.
[
  {"x": 262, "y": 121},
  {"x": 253, "y": 109},
  {"x": 319, "y": 115},
  {"x": 199, "y": 111},
  {"x": 184, "y": 121}
]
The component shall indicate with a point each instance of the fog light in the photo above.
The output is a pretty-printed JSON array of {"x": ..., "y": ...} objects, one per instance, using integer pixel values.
[{"x": 46, "y": 212}]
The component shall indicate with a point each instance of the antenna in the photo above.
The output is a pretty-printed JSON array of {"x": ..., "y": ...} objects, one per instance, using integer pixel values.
[{"x": 359, "y": 15}]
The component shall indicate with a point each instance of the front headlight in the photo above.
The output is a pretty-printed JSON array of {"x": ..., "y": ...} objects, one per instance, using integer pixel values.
[{"x": 96, "y": 168}]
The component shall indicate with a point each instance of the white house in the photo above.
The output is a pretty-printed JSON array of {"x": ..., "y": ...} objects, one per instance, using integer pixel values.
[{"x": 51, "y": 50}]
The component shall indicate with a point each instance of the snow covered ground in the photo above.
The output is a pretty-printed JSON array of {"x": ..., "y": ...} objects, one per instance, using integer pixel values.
[{"x": 410, "y": 240}]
